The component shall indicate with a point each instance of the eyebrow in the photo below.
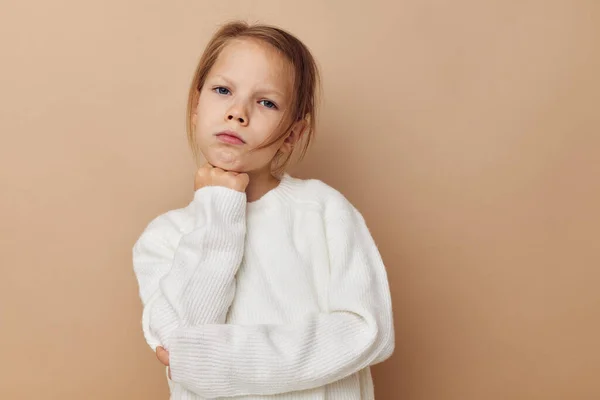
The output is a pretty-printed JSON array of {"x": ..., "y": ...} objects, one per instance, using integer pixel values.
[{"x": 262, "y": 90}]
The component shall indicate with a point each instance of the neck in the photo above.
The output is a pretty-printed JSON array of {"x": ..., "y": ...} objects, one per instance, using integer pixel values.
[{"x": 260, "y": 183}]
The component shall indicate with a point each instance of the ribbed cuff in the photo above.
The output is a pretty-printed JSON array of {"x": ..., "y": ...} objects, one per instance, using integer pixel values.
[
  {"x": 197, "y": 361},
  {"x": 228, "y": 203}
]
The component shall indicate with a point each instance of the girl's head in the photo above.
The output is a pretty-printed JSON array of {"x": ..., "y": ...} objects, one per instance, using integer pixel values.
[{"x": 251, "y": 105}]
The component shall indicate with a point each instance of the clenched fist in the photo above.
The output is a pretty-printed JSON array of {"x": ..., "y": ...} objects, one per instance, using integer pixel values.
[{"x": 208, "y": 175}]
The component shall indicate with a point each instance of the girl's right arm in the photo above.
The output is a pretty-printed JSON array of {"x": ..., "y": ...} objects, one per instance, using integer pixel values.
[{"x": 185, "y": 261}]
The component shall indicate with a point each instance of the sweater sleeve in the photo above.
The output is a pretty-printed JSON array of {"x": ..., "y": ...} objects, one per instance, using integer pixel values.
[
  {"x": 356, "y": 331},
  {"x": 185, "y": 262}
]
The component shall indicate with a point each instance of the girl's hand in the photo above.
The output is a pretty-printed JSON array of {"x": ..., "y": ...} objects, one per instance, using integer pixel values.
[
  {"x": 163, "y": 357},
  {"x": 208, "y": 175}
]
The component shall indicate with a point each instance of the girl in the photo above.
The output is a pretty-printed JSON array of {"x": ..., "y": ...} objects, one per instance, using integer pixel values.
[{"x": 264, "y": 285}]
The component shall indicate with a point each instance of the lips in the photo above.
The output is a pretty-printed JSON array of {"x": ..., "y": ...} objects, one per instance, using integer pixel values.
[{"x": 230, "y": 137}]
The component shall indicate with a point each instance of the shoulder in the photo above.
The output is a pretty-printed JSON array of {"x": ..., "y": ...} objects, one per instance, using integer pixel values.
[
  {"x": 166, "y": 229},
  {"x": 327, "y": 199},
  {"x": 344, "y": 226}
]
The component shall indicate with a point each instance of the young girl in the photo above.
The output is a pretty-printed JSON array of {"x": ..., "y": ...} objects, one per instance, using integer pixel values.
[{"x": 264, "y": 285}]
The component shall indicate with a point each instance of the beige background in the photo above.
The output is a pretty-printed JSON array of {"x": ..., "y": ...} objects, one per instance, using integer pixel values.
[{"x": 467, "y": 133}]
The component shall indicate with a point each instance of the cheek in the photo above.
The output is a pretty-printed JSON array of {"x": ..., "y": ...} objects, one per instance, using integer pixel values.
[
  {"x": 269, "y": 125},
  {"x": 208, "y": 106},
  {"x": 207, "y": 115}
]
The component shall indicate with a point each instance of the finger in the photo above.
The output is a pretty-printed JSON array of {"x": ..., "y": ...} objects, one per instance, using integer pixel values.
[
  {"x": 213, "y": 172},
  {"x": 162, "y": 355},
  {"x": 245, "y": 178},
  {"x": 159, "y": 353},
  {"x": 208, "y": 167}
]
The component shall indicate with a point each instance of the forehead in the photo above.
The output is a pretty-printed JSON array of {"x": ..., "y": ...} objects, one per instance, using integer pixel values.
[{"x": 252, "y": 62}]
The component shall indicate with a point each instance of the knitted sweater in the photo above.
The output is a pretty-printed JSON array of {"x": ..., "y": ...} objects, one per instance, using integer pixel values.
[{"x": 285, "y": 297}]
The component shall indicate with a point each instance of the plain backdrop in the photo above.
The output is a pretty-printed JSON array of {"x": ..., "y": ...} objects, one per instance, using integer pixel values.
[{"x": 466, "y": 132}]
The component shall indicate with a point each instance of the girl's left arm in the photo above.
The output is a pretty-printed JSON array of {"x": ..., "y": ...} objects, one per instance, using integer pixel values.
[{"x": 357, "y": 331}]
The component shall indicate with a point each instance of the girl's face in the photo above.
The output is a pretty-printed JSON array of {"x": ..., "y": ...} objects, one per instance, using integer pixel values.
[{"x": 240, "y": 106}]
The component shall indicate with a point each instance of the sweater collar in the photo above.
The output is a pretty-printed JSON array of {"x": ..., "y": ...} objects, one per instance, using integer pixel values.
[{"x": 281, "y": 192}]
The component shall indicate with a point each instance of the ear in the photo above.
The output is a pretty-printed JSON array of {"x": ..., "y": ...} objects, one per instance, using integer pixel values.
[{"x": 295, "y": 135}]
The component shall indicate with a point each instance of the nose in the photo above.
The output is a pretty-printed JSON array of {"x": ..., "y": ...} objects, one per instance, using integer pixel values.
[{"x": 237, "y": 113}]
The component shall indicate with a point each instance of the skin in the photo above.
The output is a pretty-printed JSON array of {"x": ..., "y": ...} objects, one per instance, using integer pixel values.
[{"x": 247, "y": 91}]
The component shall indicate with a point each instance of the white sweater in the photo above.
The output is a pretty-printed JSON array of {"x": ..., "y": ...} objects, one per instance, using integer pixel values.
[{"x": 285, "y": 297}]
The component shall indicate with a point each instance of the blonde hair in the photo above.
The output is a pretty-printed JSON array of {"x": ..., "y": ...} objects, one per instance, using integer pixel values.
[{"x": 305, "y": 84}]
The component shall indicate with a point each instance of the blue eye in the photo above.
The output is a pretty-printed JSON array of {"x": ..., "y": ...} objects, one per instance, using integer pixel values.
[
  {"x": 267, "y": 103},
  {"x": 221, "y": 90}
]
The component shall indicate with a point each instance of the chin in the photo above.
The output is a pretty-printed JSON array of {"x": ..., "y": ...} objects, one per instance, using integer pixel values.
[{"x": 216, "y": 161}]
